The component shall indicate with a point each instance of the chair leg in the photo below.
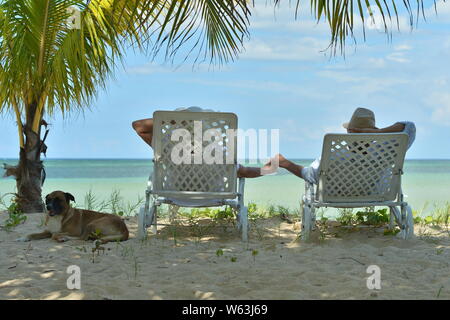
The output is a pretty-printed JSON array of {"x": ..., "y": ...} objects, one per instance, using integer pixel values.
[
  {"x": 142, "y": 228},
  {"x": 306, "y": 222},
  {"x": 391, "y": 218},
  {"x": 408, "y": 222},
  {"x": 397, "y": 216},
  {"x": 153, "y": 218},
  {"x": 405, "y": 221},
  {"x": 238, "y": 219},
  {"x": 146, "y": 218},
  {"x": 313, "y": 218},
  {"x": 243, "y": 222}
]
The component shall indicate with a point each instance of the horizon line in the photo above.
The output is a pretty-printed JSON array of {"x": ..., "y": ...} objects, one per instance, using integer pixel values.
[{"x": 239, "y": 160}]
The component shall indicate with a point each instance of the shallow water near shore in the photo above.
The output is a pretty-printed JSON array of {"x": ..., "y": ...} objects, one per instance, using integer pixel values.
[{"x": 425, "y": 182}]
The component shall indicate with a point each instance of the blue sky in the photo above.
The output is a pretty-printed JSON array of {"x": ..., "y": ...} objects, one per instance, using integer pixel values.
[{"x": 283, "y": 80}]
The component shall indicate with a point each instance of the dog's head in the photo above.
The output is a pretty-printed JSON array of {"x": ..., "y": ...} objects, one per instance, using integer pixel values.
[{"x": 58, "y": 202}]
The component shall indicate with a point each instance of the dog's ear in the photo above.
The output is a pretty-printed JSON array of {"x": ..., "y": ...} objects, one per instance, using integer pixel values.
[{"x": 69, "y": 197}]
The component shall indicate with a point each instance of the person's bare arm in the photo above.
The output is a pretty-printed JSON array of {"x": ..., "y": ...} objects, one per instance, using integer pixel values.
[
  {"x": 144, "y": 128},
  {"x": 396, "y": 127}
]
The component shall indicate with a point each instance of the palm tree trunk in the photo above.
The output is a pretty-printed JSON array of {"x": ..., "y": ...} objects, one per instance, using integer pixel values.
[{"x": 28, "y": 172}]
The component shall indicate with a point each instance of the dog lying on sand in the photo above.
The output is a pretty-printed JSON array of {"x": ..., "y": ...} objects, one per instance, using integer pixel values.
[{"x": 63, "y": 222}]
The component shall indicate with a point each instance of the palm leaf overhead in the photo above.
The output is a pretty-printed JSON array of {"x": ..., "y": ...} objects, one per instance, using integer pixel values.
[
  {"x": 342, "y": 15},
  {"x": 64, "y": 67}
]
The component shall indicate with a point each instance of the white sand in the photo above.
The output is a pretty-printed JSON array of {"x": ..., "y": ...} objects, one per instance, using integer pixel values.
[{"x": 334, "y": 268}]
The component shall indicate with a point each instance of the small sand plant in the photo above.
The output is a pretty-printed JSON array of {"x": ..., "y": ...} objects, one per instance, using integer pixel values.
[
  {"x": 127, "y": 252},
  {"x": 81, "y": 249},
  {"x": 438, "y": 219},
  {"x": 255, "y": 217},
  {"x": 136, "y": 267},
  {"x": 346, "y": 217},
  {"x": 439, "y": 292},
  {"x": 96, "y": 250},
  {"x": 219, "y": 252},
  {"x": 15, "y": 215},
  {"x": 173, "y": 229},
  {"x": 115, "y": 204},
  {"x": 254, "y": 254}
]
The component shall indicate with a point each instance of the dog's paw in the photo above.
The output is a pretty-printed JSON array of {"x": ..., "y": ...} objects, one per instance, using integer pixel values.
[
  {"x": 22, "y": 239},
  {"x": 62, "y": 239}
]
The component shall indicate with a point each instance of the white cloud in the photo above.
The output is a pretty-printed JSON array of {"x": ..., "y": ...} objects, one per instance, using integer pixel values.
[
  {"x": 376, "y": 22},
  {"x": 398, "y": 57},
  {"x": 442, "y": 81},
  {"x": 292, "y": 131},
  {"x": 149, "y": 68},
  {"x": 403, "y": 47},
  {"x": 363, "y": 82},
  {"x": 442, "y": 9},
  {"x": 440, "y": 104},
  {"x": 377, "y": 63},
  {"x": 400, "y": 53},
  {"x": 305, "y": 49},
  {"x": 253, "y": 86},
  {"x": 154, "y": 68}
]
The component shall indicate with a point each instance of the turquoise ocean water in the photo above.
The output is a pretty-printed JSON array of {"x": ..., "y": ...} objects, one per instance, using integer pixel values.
[{"x": 424, "y": 181}]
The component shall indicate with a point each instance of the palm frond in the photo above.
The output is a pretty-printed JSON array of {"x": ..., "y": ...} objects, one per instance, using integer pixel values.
[
  {"x": 340, "y": 16},
  {"x": 45, "y": 63},
  {"x": 215, "y": 29}
]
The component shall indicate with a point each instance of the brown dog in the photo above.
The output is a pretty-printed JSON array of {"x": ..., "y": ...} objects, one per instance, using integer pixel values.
[{"x": 63, "y": 222}]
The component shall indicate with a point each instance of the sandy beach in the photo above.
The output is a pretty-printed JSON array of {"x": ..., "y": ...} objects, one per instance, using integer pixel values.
[{"x": 181, "y": 263}]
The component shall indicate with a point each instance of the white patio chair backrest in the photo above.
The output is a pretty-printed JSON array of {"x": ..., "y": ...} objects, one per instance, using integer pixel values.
[
  {"x": 194, "y": 177},
  {"x": 361, "y": 167}
]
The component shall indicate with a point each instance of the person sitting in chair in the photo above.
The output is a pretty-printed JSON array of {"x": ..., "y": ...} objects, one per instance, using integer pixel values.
[
  {"x": 144, "y": 129},
  {"x": 362, "y": 121}
]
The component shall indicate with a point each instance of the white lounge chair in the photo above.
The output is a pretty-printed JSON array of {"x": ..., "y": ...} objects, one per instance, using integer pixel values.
[
  {"x": 195, "y": 184},
  {"x": 360, "y": 170}
]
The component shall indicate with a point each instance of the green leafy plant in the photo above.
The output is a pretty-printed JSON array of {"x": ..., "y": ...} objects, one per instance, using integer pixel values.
[
  {"x": 115, "y": 204},
  {"x": 254, "y": 254},
  {"x": 393, "y": 232},
  {"x": 97, "y": 249},
  {"x": 252, "y": 207},
  {"x": 96, "y": 235},
  {"x": 174, "y": 235},
  {"x": 439, "y": 217},
  {"x": 439, "y": 292},
  {"x": 371, "y": 217},
  {"x": 346, "y": 217},
  {"x": 15, "y": 214},
  {"x": 321, "y": 216},
  {"x": 368, "y": 216},
  {"x": 219, "y": 252}
]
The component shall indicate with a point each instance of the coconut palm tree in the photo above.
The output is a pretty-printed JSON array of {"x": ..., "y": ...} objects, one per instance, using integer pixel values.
[{"x": 55, "y": 55}]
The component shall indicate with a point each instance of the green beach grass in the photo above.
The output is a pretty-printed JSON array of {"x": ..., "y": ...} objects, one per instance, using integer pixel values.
[{"x": 116, "y": 204}]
